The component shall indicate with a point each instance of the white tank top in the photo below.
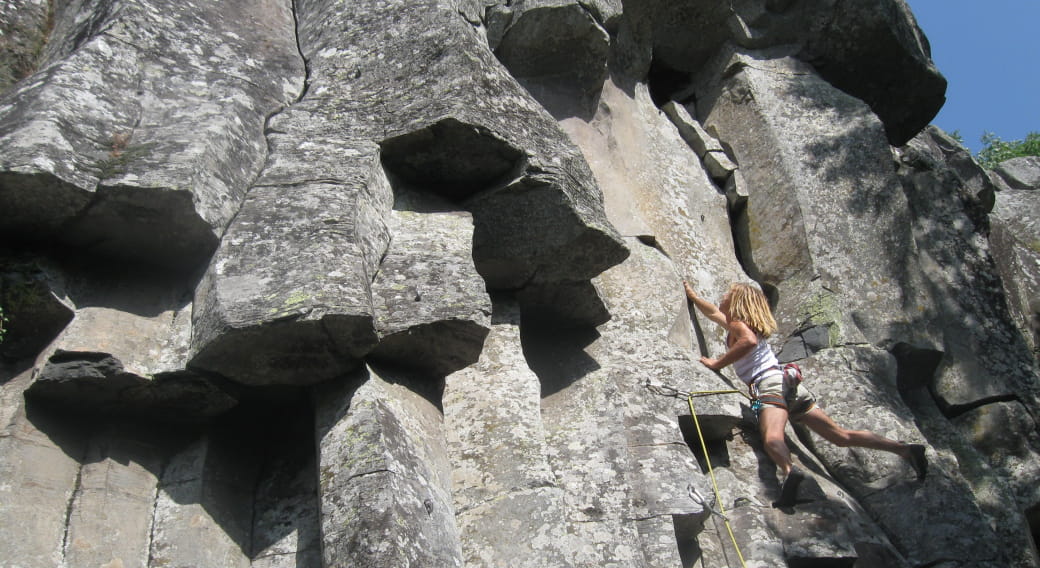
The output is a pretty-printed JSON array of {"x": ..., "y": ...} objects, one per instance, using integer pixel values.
[{"x": 759, "y": 360}]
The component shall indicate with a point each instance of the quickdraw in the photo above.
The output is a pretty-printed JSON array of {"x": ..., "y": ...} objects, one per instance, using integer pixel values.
[{"x": 666, "y": 390}]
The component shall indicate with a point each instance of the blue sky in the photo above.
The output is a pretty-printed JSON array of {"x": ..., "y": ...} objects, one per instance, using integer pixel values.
[{"x": 989, "y": 53}]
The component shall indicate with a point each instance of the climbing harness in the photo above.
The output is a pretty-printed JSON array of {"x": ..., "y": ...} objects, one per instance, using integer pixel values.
[
  {"x": 666, "y": 390},
  {"x": 792, "y": 377}
]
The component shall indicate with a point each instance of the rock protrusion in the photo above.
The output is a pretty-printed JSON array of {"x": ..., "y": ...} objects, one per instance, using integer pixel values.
[
  {"x": 557, "y": 51},
  {"x": 432, "y": 311},
  {"x": 813, "y": 204},
  {"x": 384, "y": 483},
  {"x": 139, "y": 136},
  {"x": 1015, "y": 245},
  {"x": 125, "y": 349}
]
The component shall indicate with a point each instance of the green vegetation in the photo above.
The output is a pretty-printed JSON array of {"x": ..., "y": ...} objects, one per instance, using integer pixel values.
[{"x": 997, "y": 150}]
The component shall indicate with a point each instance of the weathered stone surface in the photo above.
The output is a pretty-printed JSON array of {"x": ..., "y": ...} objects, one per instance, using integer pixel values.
[
  {"x": 992, "y": 490},
  {"x": 431, "y": 310},
  {"x": 933, "y": 150},
  {"x": 736, "y": 193},
  {"x": 588, "y": 454},
  {"x": 536, "y": 211},
  {"x": 821, "y": 220},
  {"x": 539, "y": 218},
  {"x": 139, "y": 138},
  {"x": 596, "y": 405},
  {"x": 557, "y": 50},
  {"x": 204, "y": 509},
  {"x": 23, "y": 35},
  {"x": 970, "y": 309},
  {"x": 649, "y": 426},
  {"x": 1015, "y": 244},
  {"x": 856, "y": 387},
  {"x": 32, "y": 296},
  {"x": 718, "y": 165},
  {"x": 827, "y": 525},
  {"x": 125, "y": 351},
  {"x": 498, "y": 15},
  {"x": 655, "y": 188},
  {"x": 873, "y": 51},
  {"x": 509, "y": 506},
  {"x": 989, "y": 428},
  {"x": 286, "y": 523},
  {"x": 384, "y": 482},
  {"x": 1020, "y": 173},
  {"x": 110, "y": 517},
  {"x": 287, "y": 297},
  {"x": 690, "y": 130},
  {"x": 876, "y": 52},
  {"x": 541, "y": 153},
  {"x": 39, "y": 472}
]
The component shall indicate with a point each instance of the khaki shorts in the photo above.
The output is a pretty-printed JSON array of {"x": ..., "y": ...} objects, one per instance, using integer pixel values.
[{"x": 795, "y": 399}]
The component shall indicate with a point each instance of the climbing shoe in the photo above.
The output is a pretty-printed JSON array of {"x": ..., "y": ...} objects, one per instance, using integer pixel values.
[
  {"x": 918, "y": 460},
  {"x": 789, "y": 490}
]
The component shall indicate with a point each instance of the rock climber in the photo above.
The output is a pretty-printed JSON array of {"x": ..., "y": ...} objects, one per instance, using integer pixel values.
[{"x": 744, "y": 312}]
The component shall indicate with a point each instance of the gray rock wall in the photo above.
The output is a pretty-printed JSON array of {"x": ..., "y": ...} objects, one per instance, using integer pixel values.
[{"x": 311, "y": 283}]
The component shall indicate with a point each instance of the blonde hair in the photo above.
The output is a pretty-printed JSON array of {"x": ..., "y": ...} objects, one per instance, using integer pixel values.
[{"x": 749, "y": 305}]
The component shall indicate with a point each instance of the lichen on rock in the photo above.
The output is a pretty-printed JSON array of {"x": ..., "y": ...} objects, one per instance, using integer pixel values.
[{"x": 378, "y": 283}]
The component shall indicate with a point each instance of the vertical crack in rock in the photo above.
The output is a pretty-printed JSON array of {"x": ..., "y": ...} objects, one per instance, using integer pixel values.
[
  {"x": 497, "y": 200},
  {"x": 154, "y": 523},
  {"x": 799, "y": 242},
  {"x": 43, "y": 452},
  {"x": 545, "y": 220},
  {"x": 299, "y": 50},
  {"x": 111, "y": 516},
  {"x": 76, "y": 491}
]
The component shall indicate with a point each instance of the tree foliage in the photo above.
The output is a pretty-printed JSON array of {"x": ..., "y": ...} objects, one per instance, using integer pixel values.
[{"x": 996, "y": 150}]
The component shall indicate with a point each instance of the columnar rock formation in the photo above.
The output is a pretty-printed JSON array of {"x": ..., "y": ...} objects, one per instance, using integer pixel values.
[{"x": 301, "y": 283}]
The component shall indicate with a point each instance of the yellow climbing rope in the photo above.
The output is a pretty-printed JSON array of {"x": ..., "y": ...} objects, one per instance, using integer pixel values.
[
  {"x": 669, "y": 391},
  {"x": 711, "y": 472}
]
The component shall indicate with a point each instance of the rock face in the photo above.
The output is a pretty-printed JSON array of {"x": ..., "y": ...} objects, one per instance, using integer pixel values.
[
  {"x": 1016, "y": 246},
  {"x": 142, "y": 127},
  {"x": 371, "y": 283}
]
